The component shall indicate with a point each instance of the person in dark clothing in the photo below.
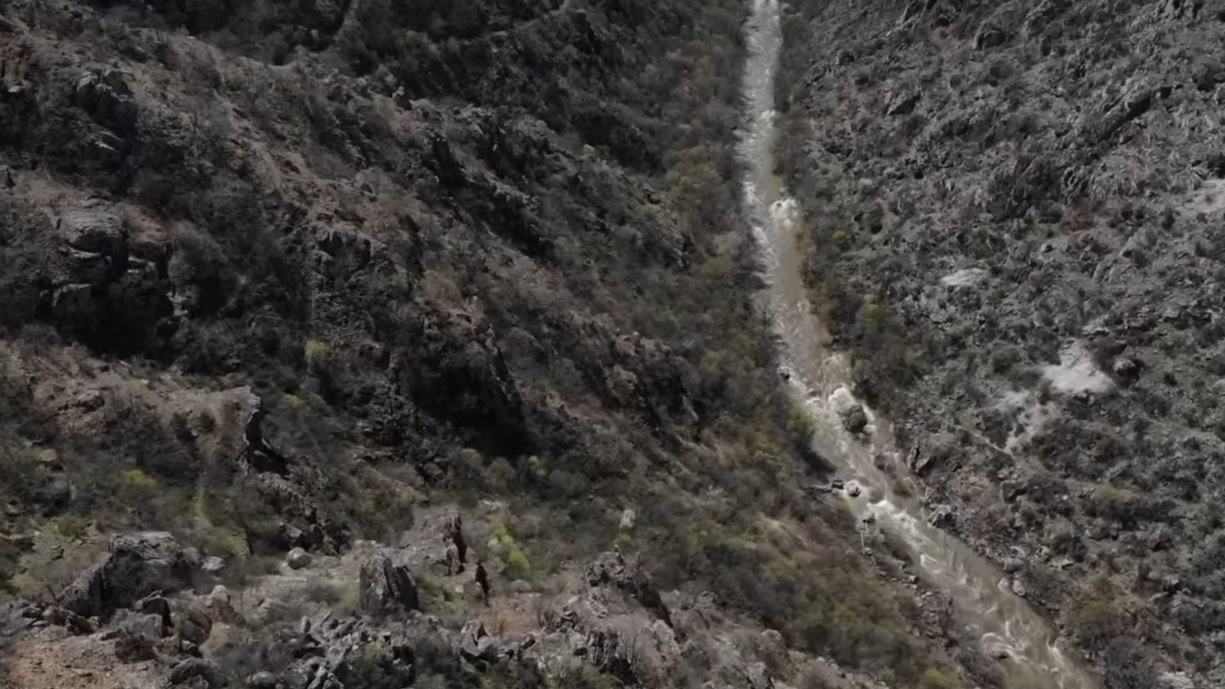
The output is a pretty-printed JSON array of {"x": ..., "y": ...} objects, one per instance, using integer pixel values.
[
  {"x": 256, "y": 452},
  {"x": 482, "y": 580},
  {"x": 455, "y": 531},
  {"x": 253, "y": 432}
]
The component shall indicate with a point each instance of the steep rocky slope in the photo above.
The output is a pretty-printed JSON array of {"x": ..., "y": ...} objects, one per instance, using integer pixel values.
[
  {"x": 1014, "y": 215},
  {"x": 483, "y": 255}
]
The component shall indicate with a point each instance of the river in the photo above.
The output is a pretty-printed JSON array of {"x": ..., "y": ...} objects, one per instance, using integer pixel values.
[{"x": 1028, "y": 649}]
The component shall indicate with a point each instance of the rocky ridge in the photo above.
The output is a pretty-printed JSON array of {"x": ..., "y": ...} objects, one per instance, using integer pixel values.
[{"x": 595, "y": 625}]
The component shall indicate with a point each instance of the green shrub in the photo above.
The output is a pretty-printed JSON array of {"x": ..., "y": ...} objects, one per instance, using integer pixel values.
[
  {"x": 801, "y": 424},
  {"x": 10, "y": 559},
  {"x": 873, "y": 314},
  {"x": 138, "y": 481},
  {"x": 518, "y": 566},
  {"x": 938, "y": 679},
  {"x": 1097, "y": 618},
  {"x": 71, "y": 527},
  {"x": 317, "y": 351}
]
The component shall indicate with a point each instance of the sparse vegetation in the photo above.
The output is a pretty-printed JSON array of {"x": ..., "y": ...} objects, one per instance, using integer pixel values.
[
  {"x": 536, "y": 297},
  {"x": 70, "y": 527},
  {"x": 518, "y": 566},
  {"x": 317, "y": 352},
  {"x": 323, "y": 591},
  {"x": 937, "y": 679},
  {"x": 1005, "y": 222}
]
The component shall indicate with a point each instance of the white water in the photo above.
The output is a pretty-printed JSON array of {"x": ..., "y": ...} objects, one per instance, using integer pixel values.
[{"x": 819, "y": 377}]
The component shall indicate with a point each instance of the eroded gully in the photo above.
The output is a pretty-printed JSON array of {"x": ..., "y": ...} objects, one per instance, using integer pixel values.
[{"x": 1027, "y": 647}]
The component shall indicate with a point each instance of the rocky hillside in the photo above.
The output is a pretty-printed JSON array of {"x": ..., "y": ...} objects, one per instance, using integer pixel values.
[
  {"x": 472, "y": 258},
  {"x": 1014, "y": 216}
]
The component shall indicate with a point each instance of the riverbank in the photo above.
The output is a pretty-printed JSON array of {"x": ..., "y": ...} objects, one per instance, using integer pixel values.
[{"x": 1009, "y": 227}]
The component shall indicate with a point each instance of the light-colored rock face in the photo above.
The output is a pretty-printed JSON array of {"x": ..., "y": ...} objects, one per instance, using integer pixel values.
[
  {"x": 1177, "y": 680},
  {"x": 966, "y": 277},
  {"x": 1076, "y": 373},
  {"x": 298, "y": 559}
]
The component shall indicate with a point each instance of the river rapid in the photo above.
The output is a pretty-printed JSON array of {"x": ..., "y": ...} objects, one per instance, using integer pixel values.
[{"x": 1028, "y": 649}]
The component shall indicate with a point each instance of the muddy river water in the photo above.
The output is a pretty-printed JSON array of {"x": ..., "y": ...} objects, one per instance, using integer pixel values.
[{"x": 1026, "y": 646}]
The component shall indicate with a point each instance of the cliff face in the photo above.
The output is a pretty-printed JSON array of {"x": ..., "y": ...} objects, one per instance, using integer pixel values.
[
  {"x": 482, "y": 255},
  {"x": 1013, "y": 215}
]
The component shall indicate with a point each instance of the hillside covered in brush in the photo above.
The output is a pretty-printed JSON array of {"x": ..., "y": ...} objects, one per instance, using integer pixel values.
[
  {"x": 1014, "y": 222},
  {"x": 475, "y": 258}
]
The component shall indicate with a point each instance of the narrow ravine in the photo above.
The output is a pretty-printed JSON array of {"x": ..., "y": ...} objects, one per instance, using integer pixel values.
[{"x": 1026, "y": 645}]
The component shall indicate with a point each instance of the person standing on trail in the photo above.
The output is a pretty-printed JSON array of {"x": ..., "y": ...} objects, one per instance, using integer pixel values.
[
  {"x": 253, "y": 432},
  {"x": 255, "y": 452},
  {"x": 482, "y": 580},
  {"x": 455, "y": 531},
  {"x": 454, "y": 564}
]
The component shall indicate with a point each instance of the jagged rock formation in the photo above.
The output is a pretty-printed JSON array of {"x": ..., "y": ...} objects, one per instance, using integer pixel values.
[
  {"x": 138, "y": 565},
  {"x": 386, "y": 586},
  {"x": 612, "y": 569},
  {"x": 592, "y": 627}
]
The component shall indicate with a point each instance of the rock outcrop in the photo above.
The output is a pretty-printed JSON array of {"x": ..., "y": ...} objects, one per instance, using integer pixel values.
[
  {"x": 614, "y": 570},
  {"x": 387, "y": 587},
  {"x": 137, "y": 565},
  {"x": 854, "y": 418},
  {"x": 194, "y": 626},
  {"x": 597, "y": 625}
]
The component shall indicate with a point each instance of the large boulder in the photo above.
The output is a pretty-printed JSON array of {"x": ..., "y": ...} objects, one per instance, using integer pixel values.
[
  {"x": 95, "y": 230},
  {"x": 195, "y": 626},
  {"x": 385, "y": 586},
  {"x": 331, "y": 650},
  {"x": 138, "y": 565},
  {"x": 190, "y": 669},
  {"x": 93, "y": 244},
  {"x": 854, "y": 418},
  {"x": 476, "y": 645},
  {"x": 943, "y": 517},
  {"x": 298, "y": 558},
  {"x": 101, "y": 293},
  {"x": 219, "y": 606}
]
